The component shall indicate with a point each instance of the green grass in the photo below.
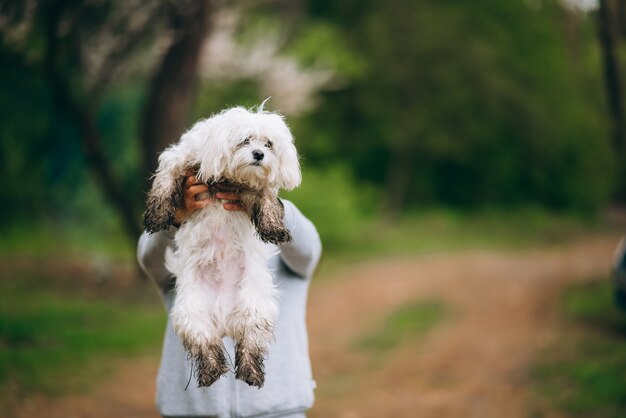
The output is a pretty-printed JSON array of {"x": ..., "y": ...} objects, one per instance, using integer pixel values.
[
  {"x": 446, "y": 230},
  {"x": 347, "y": 234},
  {"x": 353, "y": 225},
  {"x": 439, "y": 231},
  {"x": 48, "y": 335},
  {"x": 584, "y": 374},
  {"x": 407, "y": 324},
  {"x": 67, "y": 240},
  {"x": 52, "y": 339},
  {"x": 349, "y": 218}
]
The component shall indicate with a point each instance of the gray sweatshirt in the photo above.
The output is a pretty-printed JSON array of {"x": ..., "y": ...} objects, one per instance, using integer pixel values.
[{"x": 289, "y": 385}]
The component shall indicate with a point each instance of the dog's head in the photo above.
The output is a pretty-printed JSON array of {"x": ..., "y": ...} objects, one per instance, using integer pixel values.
[{"x": 254, "y": 148}]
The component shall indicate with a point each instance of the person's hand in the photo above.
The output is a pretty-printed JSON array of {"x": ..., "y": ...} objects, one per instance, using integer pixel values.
[
  {"x": 230, "y": 200},
  {"x": 196, "y": 196}
]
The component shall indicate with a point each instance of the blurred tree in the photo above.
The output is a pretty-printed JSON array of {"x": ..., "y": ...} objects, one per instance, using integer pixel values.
[
  {"x": 609, "y": 29},
  {"x": 173, "y": 85},
  {"x": 83, "y": 49},
  {"x": 455, "y": 103},
  {"x": 465, "y": 105},
  {"x": 621, "y": 17}
]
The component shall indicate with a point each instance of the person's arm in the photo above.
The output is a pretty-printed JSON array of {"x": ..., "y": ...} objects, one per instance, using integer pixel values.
[
  {"x": 303, "y": 252},
  {"x": 151, "y": 256}
]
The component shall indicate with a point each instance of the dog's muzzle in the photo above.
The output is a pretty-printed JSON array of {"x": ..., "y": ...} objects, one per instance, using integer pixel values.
[{"x": 258, "y": 155}]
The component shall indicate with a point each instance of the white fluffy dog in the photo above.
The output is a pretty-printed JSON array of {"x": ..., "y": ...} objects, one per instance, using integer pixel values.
[{"x": 223, "y": 286}]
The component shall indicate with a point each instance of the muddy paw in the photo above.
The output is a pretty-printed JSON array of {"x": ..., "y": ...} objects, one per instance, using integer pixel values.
[
  {"x": 251, "y": 376},
  {"x": 209, "y": 363},
  {"x": 249, "y": 367},
  {"x": 275, "y": 236}
]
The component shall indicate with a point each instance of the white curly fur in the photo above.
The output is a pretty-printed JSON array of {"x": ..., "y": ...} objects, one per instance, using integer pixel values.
[{"x": 223, "y": 285}]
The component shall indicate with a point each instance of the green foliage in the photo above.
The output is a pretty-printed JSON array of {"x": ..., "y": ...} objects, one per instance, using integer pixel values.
[
  {"x": 585, "y": 376},
  {"x": 435, "y": 230},
  {"x": 592, "y": 306},
  {"x": 217, "y": 95},
  {"x": 469, "y": 105},
  {"x": 348, "y": 218},
  {"x": 47, "y": 335},
  {"x": 41, "y": 156},
  {"x": 338, "y": 208},
  {"x": 336, "y": 54},
  {"x": 118, "y": 118},
  {"x": 406, "y": 324},
  {"x": 436, "y": 104},
  {"x": 24, "y": 142},
  {"x": 88, "y": 238}
]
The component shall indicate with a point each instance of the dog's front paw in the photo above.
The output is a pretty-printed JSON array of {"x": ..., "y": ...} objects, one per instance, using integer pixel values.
[
  {"x": 267, "y": 217},
  {"x": 275, "y": 236},
  {"x": 159, "y": 215},
  {"x": 162, "y": 203}
]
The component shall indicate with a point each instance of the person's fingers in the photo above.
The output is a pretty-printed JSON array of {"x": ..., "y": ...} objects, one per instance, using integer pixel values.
[
  {"x": 199, "y": 204},
  {"x": 191, "y": 180},
  {"x": 202, "y": 196},
  {"x": 230, "y": 200},
  {"x": 232, "y": 206},
  {"x": 196, "y": 189},
  {"x": 227, "y": 196}
]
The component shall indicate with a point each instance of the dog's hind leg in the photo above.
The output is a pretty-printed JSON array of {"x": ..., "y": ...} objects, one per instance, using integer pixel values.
[
  {"x": 208, "y": 360},
  {"x": 253, "y": 323},
  {"x": 249, "y": 362},
  {"x": 194, "y": 323}
]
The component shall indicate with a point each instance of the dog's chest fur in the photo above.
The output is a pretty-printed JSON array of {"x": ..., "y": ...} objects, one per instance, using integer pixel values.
[
  {"x": 217, "y": 244},
  {"x": 214, "y": 236}
]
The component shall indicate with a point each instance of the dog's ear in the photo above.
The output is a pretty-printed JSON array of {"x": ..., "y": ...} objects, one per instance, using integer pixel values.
[
  {"x": 166, "y": 193},
  {"x": 289, "y": 176},
  {"x": 214, "y": 143}
]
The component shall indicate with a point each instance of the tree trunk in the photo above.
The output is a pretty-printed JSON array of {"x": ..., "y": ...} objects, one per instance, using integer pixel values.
[
  {"x": 621, "y": 17},
  {"x": 165, "y": 110},
  {"x": 608, "y": 43},
  {"x": 83, "y": 119},
  {"x": 172, "y": 89},
  {"x": 398, "y": 181},
  {"x": 114, "y": 193},
  {"x": 82, "y": 116}
]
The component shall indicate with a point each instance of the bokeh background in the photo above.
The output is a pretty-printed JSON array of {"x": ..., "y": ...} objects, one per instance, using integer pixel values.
[{"x": 463, "y": 162}]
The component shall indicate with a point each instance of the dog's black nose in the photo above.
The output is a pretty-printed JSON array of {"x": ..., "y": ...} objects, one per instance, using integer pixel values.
[{"x": 258, "y": 155}]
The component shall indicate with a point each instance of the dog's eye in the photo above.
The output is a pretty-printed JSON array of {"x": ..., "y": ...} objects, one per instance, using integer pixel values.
[
  {"x": 269, "y": 145},
  {"x": 245, "y": 141}
]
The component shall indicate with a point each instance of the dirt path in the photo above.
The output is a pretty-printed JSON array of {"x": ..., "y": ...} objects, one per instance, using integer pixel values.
[{"x": 475, "y": 364}]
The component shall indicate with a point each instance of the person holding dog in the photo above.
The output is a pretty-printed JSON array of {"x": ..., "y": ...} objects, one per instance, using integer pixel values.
[{"x": 288, "y": 389}]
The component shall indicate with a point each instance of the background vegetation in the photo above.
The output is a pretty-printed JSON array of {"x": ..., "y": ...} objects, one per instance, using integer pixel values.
[
  {"x": 422, "y": 125},
  {"x": 413, "y": 105},
  {"x": 583, "y": 373}
]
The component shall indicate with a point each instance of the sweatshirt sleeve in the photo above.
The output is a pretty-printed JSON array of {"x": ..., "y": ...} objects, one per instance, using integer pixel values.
[
  {"x": 303, "y": 252},
  {"x": 151, "y": 256}
]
